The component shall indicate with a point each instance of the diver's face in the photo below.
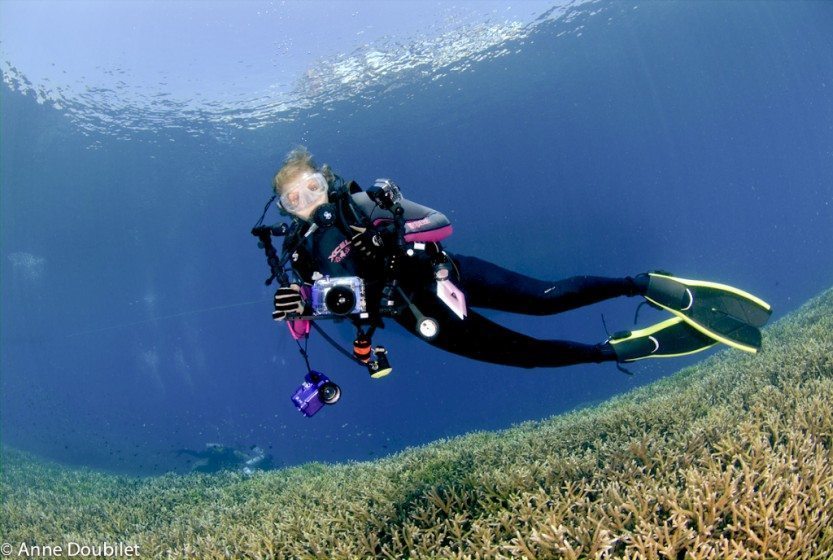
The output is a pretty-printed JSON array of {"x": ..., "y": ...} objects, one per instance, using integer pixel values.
[{"x": 303, "y": 194}]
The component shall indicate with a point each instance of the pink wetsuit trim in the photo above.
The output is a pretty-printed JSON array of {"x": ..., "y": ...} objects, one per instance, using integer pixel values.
[{"x": 432, "y": 236}]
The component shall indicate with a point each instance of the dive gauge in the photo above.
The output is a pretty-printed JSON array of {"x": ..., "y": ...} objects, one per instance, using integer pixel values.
[{"x": 428, "y": 328}]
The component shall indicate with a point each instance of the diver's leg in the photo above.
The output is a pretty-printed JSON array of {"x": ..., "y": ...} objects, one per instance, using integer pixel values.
[
  {"x": 491, "y": 286},
  {"x": 478, "y": 338}
]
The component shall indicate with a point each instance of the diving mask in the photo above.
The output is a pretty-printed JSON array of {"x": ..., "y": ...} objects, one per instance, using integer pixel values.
[{"x": 303, "y": 192}]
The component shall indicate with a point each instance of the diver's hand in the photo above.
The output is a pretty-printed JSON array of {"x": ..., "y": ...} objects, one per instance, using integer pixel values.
[
  {"x": 367, "y": 242},
  {"x": 288, "y": 301}
]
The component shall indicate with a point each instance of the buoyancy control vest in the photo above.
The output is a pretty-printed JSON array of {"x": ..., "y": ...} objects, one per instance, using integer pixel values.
[{"x": 327, "y": 250}]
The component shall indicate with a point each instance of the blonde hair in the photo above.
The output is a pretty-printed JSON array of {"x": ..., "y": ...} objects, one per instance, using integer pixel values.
[{"x": 298, "y": 160}]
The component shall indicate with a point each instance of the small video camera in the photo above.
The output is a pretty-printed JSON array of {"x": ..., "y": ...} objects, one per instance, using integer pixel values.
[
  {"x": 316, "y": 391},
  {"x": 343, "y": 295},
  {"x": 385, "y": 193}
]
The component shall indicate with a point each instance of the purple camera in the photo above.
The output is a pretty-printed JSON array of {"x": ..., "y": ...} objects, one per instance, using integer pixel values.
[{"x": 316, "y": 391}]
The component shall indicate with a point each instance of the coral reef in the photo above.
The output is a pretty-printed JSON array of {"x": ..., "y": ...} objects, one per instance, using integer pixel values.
[{"x": 731, "y": 458}]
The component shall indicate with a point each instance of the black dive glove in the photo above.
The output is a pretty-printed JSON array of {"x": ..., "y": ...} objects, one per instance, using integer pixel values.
[
  {"x": 368, "y": 242},
  {"x": 288, "y": 301}
]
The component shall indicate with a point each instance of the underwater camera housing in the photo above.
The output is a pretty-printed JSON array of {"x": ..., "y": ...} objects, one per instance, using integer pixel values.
[
  {"x": 342, "y": 295},
  {"x": 316, "y": 391}
]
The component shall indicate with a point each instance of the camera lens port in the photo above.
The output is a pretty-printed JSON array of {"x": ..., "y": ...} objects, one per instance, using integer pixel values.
[
  {"x": 329, "y": 393},
  {"x": 340, "y": 300}
]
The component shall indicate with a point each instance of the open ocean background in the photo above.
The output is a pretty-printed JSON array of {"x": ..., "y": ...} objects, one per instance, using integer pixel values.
[{"x": 138, "y": 141}]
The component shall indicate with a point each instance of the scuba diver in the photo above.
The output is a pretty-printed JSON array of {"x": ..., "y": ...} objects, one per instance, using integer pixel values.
[
  {"x": 365, "y": 255},
  {"x": 216, "y": 457}
]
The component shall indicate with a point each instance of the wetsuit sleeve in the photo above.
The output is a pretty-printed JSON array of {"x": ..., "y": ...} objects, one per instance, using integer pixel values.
[{"x": 422, "y": 224}]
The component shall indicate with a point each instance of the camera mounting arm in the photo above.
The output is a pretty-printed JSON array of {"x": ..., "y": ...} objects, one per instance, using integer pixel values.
[
  {"x": 392, "y": 262},
  {"x": 264, "y": 235},
  {"x": 386, "y": 195},
  {"x": 276, "y": 264}
]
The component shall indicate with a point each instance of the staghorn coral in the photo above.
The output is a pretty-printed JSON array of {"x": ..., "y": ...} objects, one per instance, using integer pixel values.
[{"x": 732, "y": 458}]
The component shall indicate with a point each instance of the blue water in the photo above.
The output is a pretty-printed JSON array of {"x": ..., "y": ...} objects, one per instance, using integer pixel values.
[{"x": 693, "y": 137}]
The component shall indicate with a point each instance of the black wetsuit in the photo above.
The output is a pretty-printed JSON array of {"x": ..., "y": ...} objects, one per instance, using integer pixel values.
[
  {"x": 328, "y": 251},
  {"x": 489, "y": 286}
]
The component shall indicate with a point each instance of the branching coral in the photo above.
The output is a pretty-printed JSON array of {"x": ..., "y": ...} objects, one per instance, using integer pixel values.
[{"x": 732, "y": 458}]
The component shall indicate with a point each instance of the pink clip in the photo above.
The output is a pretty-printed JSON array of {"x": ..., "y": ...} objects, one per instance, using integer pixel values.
[{"x": 298, "y": 328}]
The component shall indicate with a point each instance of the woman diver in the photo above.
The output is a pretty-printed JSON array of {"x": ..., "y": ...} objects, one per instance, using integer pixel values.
[{"x": 392, "y": 245}]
